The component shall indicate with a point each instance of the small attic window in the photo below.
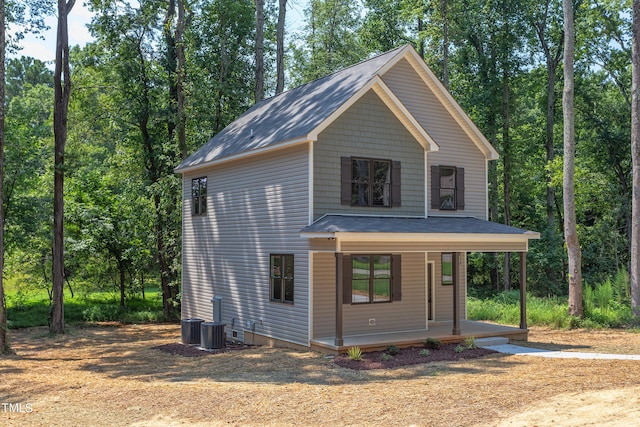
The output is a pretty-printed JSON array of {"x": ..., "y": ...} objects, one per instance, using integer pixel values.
[{"x": 199, "y": 196}]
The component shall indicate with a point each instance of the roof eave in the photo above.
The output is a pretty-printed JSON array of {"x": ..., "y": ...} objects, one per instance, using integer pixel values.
[
  {"x": 421, "y": 237},
  {"x": 450, "y": 104},
  {"x": 242, "y": 155}
]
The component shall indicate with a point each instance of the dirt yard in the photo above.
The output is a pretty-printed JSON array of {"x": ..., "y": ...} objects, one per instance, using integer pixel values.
[{"x": 113, "y": 376}]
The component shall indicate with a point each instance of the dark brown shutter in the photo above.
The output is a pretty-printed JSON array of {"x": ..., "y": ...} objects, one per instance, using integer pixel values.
[
  {"x": 396, "y": 278},
  {"x": 435, "y": 187},
  {"x": 347, "y": 275},
  {"x": 345, "y": 176},
  {"x": 395, "y": 184},
  {"x": 460, "y": 188}
]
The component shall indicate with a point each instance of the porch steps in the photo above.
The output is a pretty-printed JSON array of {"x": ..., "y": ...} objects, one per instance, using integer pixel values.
[{"x": 491, "y": 341}]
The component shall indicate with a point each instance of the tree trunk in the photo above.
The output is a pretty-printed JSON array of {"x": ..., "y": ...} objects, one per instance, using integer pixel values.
[
  {"x": 259, "y": 50},
  {"x": 445, "y": 44},
  {"x": 282, "y": 13},
  {"x": 570, "y": 231},
  {"x": 506, "y": 164},
  {"x": 122, "y": 280},
  {"x": 635, "y": 155},
  {"x": 5, "y": 347},
  {"x": 180, "y": 78},
  {"x": 62, "y": 87}
]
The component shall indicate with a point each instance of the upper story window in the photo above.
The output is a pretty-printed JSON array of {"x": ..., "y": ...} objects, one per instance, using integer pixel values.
[
  {"x": 370, "y": 182},
  {"x": 282, "y": 278},
  {"x": 447, "y": 188},
  {"x": 199, "y": 195}
]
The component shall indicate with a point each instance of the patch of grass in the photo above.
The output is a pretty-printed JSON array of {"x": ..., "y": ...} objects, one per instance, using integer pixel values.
[
  {"x": 30, "y": 309},
  {"x": 602, "y": 310}
]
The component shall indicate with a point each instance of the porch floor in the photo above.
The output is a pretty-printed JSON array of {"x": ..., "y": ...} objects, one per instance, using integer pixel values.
[{"x": 439, "y": 330}]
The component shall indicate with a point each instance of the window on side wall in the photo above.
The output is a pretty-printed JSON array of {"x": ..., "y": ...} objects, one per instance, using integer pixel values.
[
  {"x": 448, "y": 268},
  {"x": 370, "y": 279},
  {"x": 281, "y": 288},
  {"x": 370, "y": 182},
  {"x": 447, "y": 188},
  {"x": 199, "y": 195}
]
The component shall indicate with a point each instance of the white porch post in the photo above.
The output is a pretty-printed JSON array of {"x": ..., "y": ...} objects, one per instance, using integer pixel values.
[
  {"x": 339, "y": 293},
  {"x": 523, "y": 290}
]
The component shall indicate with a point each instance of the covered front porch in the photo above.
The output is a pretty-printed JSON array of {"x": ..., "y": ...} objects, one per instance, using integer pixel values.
[
  {"x": 422, "y": 285},
  {"x": 441, "y": 331}
]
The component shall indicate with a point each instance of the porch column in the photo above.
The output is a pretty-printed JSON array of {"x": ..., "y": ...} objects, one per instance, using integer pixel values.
[
  {"x": 339, "y": 293},
  {"x": 523, "y": 290},
  {"x": 456, "y": 292}
]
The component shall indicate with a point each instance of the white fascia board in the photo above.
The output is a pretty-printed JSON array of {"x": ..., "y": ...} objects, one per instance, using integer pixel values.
[
  {"x": 244, "y": 154},
  {"x": 421, "y": 237},
  {"x": 434, "y": 237},
  {"x": 318, "y": 235},
  {"x": 450, "y": 104},
  {"x": 392, "y": 102}
]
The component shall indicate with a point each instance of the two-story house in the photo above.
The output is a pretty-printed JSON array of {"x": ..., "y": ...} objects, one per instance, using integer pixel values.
[{"x": 341, "y": 212}]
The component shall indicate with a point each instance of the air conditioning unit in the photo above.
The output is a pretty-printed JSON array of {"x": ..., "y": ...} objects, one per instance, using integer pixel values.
[
  {"x": 191, "y": 330},
  {"x": 212, "y": 335}
]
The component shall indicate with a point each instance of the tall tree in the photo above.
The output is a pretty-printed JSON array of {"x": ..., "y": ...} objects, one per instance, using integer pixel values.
[
  {"x": 635, "y": 156},
  {"x": 282, "y": 14},
  {"x": 331, "y": 39},
  {"x": 62, "y": 88},
  {"x": 543, "y": 17},
  {"x": 568, "y": 184},
  {"x": 5, "y": 347},
  {"x": 259, "y": 96}
]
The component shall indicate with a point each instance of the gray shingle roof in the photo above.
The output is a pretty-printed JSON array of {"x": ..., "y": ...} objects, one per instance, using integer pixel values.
[
  {"x": 432, "y": 224},
  {"x": 289, "y": 115}
]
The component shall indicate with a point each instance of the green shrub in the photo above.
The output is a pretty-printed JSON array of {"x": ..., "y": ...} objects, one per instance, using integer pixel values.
[
  {"x": 102, "y": 313},
  {"x": 393, "y": 349},
  {"x": 470, "y": 343},
  {"x": 424, "y": 352},
  {"x": 432, "y": 343},
  {"x": 460, "y": 348},
  {"x": 385, "y": 357},
  {"x": 354, "y": 353}
]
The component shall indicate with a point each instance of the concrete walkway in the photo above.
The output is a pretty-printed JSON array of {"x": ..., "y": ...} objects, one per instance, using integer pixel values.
[{"x": 527, "y": 351}]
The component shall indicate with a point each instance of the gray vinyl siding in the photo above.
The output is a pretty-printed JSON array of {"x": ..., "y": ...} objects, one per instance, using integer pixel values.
[
  {"x": 255, "y": 208},
  {"x": 456, "y": 148},
  {"x": 406, "y": 315},
  {"x": 443, "y": 298},
  {"x": 368, "y": 129}
]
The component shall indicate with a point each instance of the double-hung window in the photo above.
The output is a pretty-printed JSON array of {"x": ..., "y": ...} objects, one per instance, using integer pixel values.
[
  {"x": 447, "y": 188},
  {"x": 282, "y": 278},
  {"x": 199, "y": 195},
  {"x": 370, "y": 182},
  {"x": 371, "y": 278}
]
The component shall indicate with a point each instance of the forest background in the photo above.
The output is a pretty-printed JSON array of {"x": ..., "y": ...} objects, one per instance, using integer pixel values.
[{"x": 162, "y": 77}]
